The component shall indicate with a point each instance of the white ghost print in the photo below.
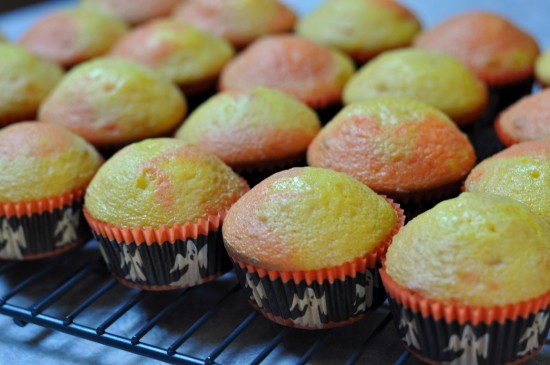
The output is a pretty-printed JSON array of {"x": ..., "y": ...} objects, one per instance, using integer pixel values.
[
  {"x": 134, "y": 263},
  {"x": 14, "y": 241},
  {"x": 411, "y": 335},
  {"x": 312, "y": 308},
  {"x": 258, "y": 292},
  {"x": 67, "y": 228},
  {"x": 365, "y": 294},
  {"x": 532, "y": 333},
  {"x": 468, "y": 346},
  {"x": 193, "y": 260}
]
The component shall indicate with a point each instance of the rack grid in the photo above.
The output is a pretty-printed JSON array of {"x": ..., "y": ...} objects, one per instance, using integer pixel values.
[{"x": 37, "y": 293}]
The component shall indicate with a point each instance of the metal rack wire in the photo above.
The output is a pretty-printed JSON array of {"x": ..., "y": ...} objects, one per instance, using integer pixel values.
[{"x": 40, "y": 309}]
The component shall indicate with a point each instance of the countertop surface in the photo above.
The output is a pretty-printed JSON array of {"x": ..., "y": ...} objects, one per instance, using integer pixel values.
[{"x": 36, "y": 345}]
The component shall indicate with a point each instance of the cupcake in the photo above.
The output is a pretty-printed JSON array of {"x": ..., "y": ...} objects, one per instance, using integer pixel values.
[
  {"x": 71, "y": 36},
  {"x": 45, "y": 171},
  {"x": 252, "y": 129},
  {"x": 526, "y": 120},
  {"x": 496, "y": 50},
  {"x": 429, "y": 77},
  {"x": 360, "y": 28},
  {"x": 521, "y": 172},
  {"x": 190, "y": 58},
  {"x": 25, "y": 80},
  {"x": 295, "y": 255},
  {"x": 132, "y": 11},
  {"x": 398, "y": 147},
  {"x": 468, "y": 282},
  {"x": 294, "y": 65},
  {"x": 542, "y": 69},
  {"x": 156, "y": 208},
  {"x": 113, "y": 102},
  {"x": 238, "y": 21}
]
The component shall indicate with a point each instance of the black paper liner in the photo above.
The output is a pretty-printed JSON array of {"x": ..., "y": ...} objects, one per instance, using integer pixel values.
[
  {"x": 43, "y": 234},
  {"x": 501, "y": 97},
  {"x": 437, "y": 341},
  {"x": 316, "y": 305},
  {"x": 166, "y": 266}
]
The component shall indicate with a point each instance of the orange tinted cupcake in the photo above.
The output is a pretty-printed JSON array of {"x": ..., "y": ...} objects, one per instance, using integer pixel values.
[
  {"x": 252, "y": 129},
  {"x": 190, "y": 58},
  {"x": 297, "y": 66},
  {"x": 68, "y": 37},
  {"x": 133, "y": 11},
  {"x": 526, "y": 120},
  {"x": 112, "y": 102},
  {"x": 496, "y": 50},
  {"x": 238, "y": 21},
  {"x": 398, "y": 147}
]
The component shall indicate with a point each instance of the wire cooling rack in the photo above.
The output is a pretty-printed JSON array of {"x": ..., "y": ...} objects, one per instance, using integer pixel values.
[{"x": 209, "y": 324}]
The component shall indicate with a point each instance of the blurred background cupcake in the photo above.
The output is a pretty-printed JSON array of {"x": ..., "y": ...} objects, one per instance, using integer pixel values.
[
  {"x": 132, "y": 11},
  {"x": 360, "y": 28},
  {"x": 239, "y": 21},
  {"x": 45, "y": 172},
  {"x": 542, "y": 69},
  {"x": 71, "y": 36},
  {"x": 25, "y": 81},
  {"x": 156, "y": 208}
]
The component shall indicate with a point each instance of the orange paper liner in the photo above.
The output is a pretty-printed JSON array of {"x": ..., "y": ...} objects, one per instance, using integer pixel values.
[
  {"x": 38, "y": 206},
  {"x": 503, "y": 136},
  {"x": 151, "y": 235},
  {"x": 350, "y": 268},
  {"x": 462, "y": 313}
]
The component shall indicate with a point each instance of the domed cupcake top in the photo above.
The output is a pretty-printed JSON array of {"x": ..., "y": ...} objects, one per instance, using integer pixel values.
[
  {"x": 25, "y": 80},
  {"x": 40, "y": 160},
  {"x": 248, "y": 127},
  {"x": 526, "y": 120},
  {"x": 542, "y": 69},
  {"x": 496, "y": 50},
  {"x": 478, "y": 249},
  {"x": 180, "y": 52},
  {"x": 73, "y": 35},
  {"x": 297, "y": 66},
  {"x": 114, "y": 101},
  {"x": 161, "y": 182},
  {"x": 360, "y": 28},
  {"x": 521, "y": 172},
  {"x": 394, "y": 145},
  {"x": 238, "y": 21},
  {"x": 429, "y": 77},
  {"x": 132, "y": 11},
  {"x": 305, "y": 219}
]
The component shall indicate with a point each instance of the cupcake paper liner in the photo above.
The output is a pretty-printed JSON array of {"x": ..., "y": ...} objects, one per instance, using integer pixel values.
[
  {"x": 164, "y": 258},
  {"x": 316, "y": 299},
  {"x": 42, "y": 228},
  {"x": 448, "y": 333}
]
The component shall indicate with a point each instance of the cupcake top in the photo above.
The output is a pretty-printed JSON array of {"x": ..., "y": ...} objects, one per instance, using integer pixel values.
[
  {"x": 394, "y": 145},
  {"x": 496, "y": 50},
  {"x": 429, "y": 77},
  {"x": 132, "y": 11},
  {"x": 251, "y": 127},
  {"x": 114, "y": 101},
  {"x": 300, "y": 219},
  {"x": 526, "y": 120},
  {"x": 542, "y": 69},
  {"x": 238, "y": 21},
  {"x": 71, "y": 36},
  {"x": 180, "y": 52},
  {"x": 40, "y": 160},
  {"x": 521, "y": 172},
  {"x": 161, "y": 182},
  {"x": 478, "y": 249},
  {"x": 297, "y": 66},
  {"x": 360, "y": 28},
  {"x": 25, "y": 80}
]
